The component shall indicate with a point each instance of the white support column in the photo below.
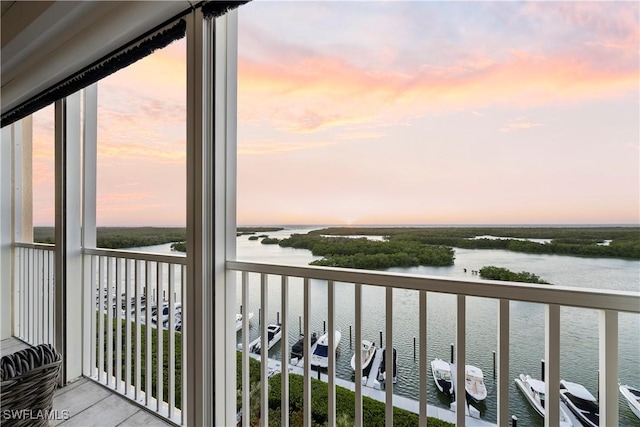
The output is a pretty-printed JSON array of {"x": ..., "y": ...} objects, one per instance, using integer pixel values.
[
  {"x": 211, "y": 168},
  {"x": 7, "y": 279},
  {"x": 224, "y": 32},
  {"x": 89, "y": 171},
  {"x": 199, "y": 357},
  {"x": 22, "y": 136},
  {"x": 608, "y": 392},
  {"x": 68, "y": 284}
]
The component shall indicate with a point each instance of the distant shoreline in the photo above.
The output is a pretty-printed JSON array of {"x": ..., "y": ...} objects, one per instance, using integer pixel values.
[{"x": 576, "y": 240}]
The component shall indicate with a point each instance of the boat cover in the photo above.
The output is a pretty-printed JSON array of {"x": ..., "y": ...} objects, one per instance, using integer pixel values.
[
  {"x": 441, "y": 365},
  {"x": 536, "y": 385},
  {"x": 578, "y": 390},
  {"x": 473, "y": 371}
]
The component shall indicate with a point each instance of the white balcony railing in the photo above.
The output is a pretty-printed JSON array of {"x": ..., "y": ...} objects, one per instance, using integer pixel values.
[
  {"x": 608, "y": 303},
  {"x": 125, "y": 284},
  {"x": 33, "y": 297},
  {"x": 138, "y": 300}
]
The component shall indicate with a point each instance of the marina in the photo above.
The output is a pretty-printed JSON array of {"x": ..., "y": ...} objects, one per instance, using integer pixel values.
[
  {"x": 579, "y": 326},
  {"x": 370, "y": 389}
]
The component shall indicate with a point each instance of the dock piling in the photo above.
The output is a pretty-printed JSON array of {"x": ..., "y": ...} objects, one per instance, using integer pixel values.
[
  {"x": 381, "y": 346},
  {"x": 277, "y": 317},
  {"x": 494, "y": 365},
  {"x": 542, "y": 369},
  {"x": 299, "y": 325},
  {"x": 324, "y": 326},
  {"x": 451, "y": 352},
  {"x": 414, "y": 348},
  {"x": 514, "y": 421},
  {"x": 350, "y": 346}
]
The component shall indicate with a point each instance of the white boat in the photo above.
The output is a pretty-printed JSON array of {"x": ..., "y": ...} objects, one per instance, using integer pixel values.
[
  {"x": 165, "y": 313},
  {"x": 320, "y": 355},
  {"x": 534, "y": 391},
  {"x": 632, "y": 395},
  {"x": 239, "y": 320},
  {"x": 474, "y": 386},
  {"x": 297, "y": 350},
  {"x": 367, "y": 352},
  {"x": 581, "y": 402},
  {"x": 382, "y": 371},
  {"x": 441, "y": 372},
  {"x": 274, "y": 333},
  {"x": 474, "y": 383}
]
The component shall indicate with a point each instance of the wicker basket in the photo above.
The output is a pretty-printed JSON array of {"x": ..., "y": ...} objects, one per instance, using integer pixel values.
[{"x": 27, "y": 399}]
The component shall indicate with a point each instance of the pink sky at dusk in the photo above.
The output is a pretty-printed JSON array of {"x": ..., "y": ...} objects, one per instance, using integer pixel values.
[{"x": 391, "y": 113}]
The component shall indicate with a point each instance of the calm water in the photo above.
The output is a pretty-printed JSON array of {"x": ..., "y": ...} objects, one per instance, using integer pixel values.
[{"x": 579, "y": 330}]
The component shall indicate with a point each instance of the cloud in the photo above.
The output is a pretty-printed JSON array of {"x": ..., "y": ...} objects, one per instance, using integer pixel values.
[
  {"x": 551, "y": 54},
  {"x": 139, "y": 151},
  {"x": 275, "y": 147},
  {"x": 323, "y": 92},
  {"x": 519, "y": 124}
]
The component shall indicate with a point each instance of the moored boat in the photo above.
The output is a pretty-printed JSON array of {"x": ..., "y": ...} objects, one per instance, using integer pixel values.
[
  {"x": 474, "y": 383},
  {"x": 367, "y": 351},
  {"x": 297, "y": 350},
  {"x": 320, "y": 355},
  {"x": 239, "y": 320},
  {"x": 441, "y": 372},
  {"x": 274, "y": 334},
  {"x": 534, "y": 391},
  {"x": 382, "y": 371},
  {"x": 632, "y": 395},
  {"x": 581, "y": 402}
]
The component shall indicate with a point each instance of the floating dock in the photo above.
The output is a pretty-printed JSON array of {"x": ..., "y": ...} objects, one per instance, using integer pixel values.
[{"x": 369, "y": 389}]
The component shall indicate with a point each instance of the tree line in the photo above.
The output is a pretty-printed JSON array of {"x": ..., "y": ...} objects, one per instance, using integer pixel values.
[
  {"x": 363, "y": 253},
  {"x": 499, "y": 273},
  {"x": 576, "y": 241}
]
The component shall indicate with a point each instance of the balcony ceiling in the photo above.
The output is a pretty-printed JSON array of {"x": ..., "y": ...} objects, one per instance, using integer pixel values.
[{"x": 45, "y": 42}]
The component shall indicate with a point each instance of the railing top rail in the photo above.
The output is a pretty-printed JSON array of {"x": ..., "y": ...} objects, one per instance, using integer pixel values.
[
  {"x": 136, "y": 255},
  {"x": 598, "y": 299},
  {"x": 27, "y": 245}
]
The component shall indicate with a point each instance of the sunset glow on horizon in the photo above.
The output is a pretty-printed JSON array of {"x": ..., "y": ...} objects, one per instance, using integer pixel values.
[{"x": 420, "y": 112}]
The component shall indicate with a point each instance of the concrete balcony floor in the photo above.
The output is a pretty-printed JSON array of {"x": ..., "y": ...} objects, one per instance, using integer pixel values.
[{"x": 90, "y": 404}]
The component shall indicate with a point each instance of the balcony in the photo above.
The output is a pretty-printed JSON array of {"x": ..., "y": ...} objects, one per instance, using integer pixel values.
[
  {"x": 127, "y": 361},
  {"x": 96, "y": 305}
]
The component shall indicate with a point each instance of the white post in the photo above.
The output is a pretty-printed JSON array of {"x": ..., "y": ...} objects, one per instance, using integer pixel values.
[
  {"x": 68, "y": 284},
  {"x": 6, "y": 237},
  {"x": 224, "y": 122},
  {"x": 608, "y": 368},
  {"x": 552, "y": 364},
  {"x": 461, "y": 399},
  {"x": 89, "y": 168},
  {"x": 211, "y": 168},
  {"x": 503, "y": 363},
  {"x": 198, "y": 370}
]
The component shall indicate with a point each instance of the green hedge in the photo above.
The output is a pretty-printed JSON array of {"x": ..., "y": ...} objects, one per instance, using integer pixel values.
[
  {"x": 373, "y": 411},
  {"x": 143, "y": 357}
]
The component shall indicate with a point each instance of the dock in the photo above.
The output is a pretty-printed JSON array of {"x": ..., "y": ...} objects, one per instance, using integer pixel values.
[{"x": 411, "y": 405}]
